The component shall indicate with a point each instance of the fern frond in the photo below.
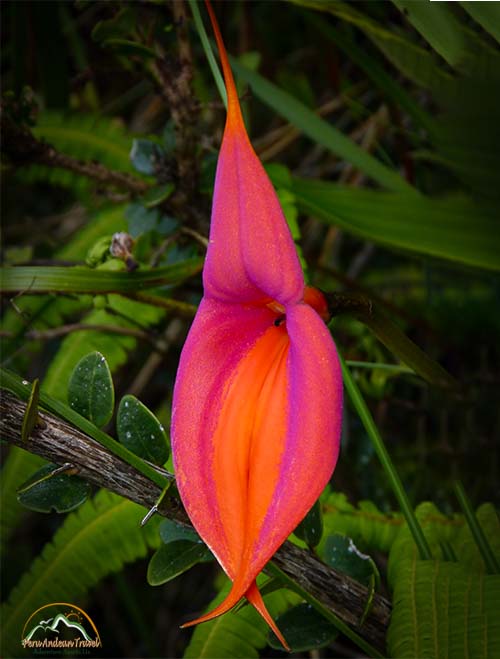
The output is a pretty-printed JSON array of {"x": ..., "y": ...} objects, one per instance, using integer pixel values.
[
  {"x": 371, "y": 529},
  {"x": 114, "y": 348},
  {"x": 98, "y": 539},
  {"x": 444, "y": 608},
  {"x": 87, "y": 137}
]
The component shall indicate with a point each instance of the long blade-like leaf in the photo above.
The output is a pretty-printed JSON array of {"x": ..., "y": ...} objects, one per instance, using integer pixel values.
[
  {"x": 33, "y": 279},
  {"x": 320, "y": 130},
  {"x": 452, "y": 228}
]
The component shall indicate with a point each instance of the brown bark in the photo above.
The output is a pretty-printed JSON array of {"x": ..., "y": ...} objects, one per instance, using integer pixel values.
[{"x": 61, "y": 443}]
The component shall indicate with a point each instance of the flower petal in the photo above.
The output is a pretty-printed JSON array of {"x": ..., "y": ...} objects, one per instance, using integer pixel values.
[
  {"x": 251, "y": 253},
  {"x": 255, "y": 430}
]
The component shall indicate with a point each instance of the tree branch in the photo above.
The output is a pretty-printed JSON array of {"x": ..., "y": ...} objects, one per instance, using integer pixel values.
[{"x": 61, "y": 443}]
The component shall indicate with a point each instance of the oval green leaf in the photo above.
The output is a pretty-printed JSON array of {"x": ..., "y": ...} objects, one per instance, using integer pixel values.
[
  {"x": 140, "y": 431},
  {"x": 341, "y": 553},
  {"x": 47, "y": 491},
  {"x": 171, "y": 531},
  {"x": 175, "y": 558},
  {"x": 310, "y": 529},
  {"x": 304, "y": 629},
  {"x": 90, "y": 389}
]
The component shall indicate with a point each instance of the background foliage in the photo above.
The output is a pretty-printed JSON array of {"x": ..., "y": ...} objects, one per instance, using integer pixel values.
[{"x": 378, "y": 123}]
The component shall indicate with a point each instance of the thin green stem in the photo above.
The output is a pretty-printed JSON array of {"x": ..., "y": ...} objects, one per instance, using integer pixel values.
[
  {"x": 326, "y": 613},
  {"x": 480, "y": 539},
  {"x": 393, "y": 368},
  {"x": 22, "y": 389},
  {"x": 387, "y": 464},
  {"x": 219, "y": 81}
]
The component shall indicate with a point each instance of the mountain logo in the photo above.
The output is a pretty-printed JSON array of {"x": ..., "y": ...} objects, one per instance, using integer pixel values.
[{"x": 60, "y": 626}]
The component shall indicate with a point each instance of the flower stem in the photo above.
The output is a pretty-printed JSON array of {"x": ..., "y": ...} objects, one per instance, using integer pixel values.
[
  {"x": 387, "y": 464},
  {"x": 208, "y": 50},
  {"x": 482, "y": 543}
]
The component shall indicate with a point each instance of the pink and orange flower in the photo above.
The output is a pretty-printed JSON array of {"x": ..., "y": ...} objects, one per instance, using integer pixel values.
[{"x": 258, "y": 398}]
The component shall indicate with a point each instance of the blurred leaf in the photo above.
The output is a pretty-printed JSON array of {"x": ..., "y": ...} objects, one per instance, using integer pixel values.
[
  {"x": 487, "y": 14},
  {"x": 310, "y": 528},
  {"x": 129, "y": 48},
  {"x": 453, "y": 227},
  {"x": 174, "y": 558},
  {"x": 416, "y": 63},
  {"x": 171, "y": 531},
  {"x": 98, "y": 539},
  {"x": 145, "y": 156},
  {"x": 140, "y": 219},
  {"x": 157, "y": 195},
  {"x": 341, "y": 553},
  {"x": 304, "y": 629},
  {"x": 320, "y": 130},
  {"x": 90, "y": 389},
  {"x": 45, "y": 493},
  {"x": 120, "y": 25},
  {"x": 140, "y": 431},
  {"x": 374, "y": 69},
  {"x": 87, "y": 137},
  {"x": 439, "y": 27},
  {"x": 369, "y": 527}
]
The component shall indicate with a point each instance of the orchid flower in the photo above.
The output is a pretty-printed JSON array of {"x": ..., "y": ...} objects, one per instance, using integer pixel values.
[{"x": 257, "y": 402}]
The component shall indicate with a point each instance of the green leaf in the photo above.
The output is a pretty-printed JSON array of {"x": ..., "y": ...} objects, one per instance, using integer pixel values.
[
  {"x": 157, "y": 195},
  {"x": 145, "y": 156},
  {"x": 98, "y": 539},
  {"x": 115, "y": 348},
  {"x": 419, "y": 65},
  {"x": 453, "y": 227},
  {"x": 365, "y": 523},
  {"x": 374, "y": 69},
  {"x": 310, "y": 528},
  {"x": 122, "y": 23},
  {"x": 130, "y": 48},
  {"x": 442, "y": 608},
  {"x": 140, "y": 431},
  {"x": 51, "y": 310},
  {"x": 87, "y": 137},
  {"x": 174, "y": 558},
  {"x": 304, "y": 629},
  {"x": 487, "y": 14},
  {"x": 320, "y": 130},
  {"x": 45, "y": 492},
  {"x": 141, "y": 219},
  {"x": 341, "y": 553},
  {"x": 90, "y": 389},
  {"x": 13, "y": 383},
  {"x": 85, "y": 280},
  {"x": 171, "y": 531},
  {"x": 30, "y": 417},
  {"x": 439, "y": 27}
]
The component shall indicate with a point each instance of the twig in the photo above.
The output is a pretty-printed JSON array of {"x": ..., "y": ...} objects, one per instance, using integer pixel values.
[
  {"x": 60, "y": 443},
  {"x": 23, "y": 148},
  {"x": 63, "y": 330}
]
